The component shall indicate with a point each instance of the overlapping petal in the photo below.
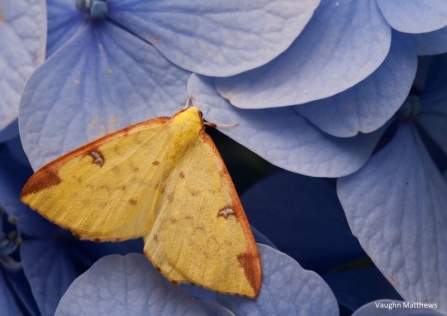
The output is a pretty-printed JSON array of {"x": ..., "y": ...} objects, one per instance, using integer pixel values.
[
  {"x": 343, "y": 43},
  {"x": 23, "y": 35},
  {"x": 215, "y": 38},
  {"x": 414, "y": 16},
  {"x": 101, "y": 80},
  {"x": 282, "y": 136},
  {"x": 396, "y": 207},
  {"x": 370, "y": 103}
]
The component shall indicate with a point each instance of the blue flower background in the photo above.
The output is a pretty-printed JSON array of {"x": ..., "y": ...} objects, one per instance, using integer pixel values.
[{"x": 339, "y": 154}]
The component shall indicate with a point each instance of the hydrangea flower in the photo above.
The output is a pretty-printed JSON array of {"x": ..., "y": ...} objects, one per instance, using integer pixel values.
[
  {"x": 343, "y": 78},
  {"x": 23, "y": 28},
  {"x": 396, "y": 204},
  {"x": 114, "y": 63},
  {"x": 343, "y": 44}
]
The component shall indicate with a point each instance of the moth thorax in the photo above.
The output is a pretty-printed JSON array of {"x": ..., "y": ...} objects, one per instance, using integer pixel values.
[{"x": 186, "y": 127}]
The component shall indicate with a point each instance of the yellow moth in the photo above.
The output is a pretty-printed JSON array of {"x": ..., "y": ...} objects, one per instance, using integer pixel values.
[{"x": 162, "y": 180}]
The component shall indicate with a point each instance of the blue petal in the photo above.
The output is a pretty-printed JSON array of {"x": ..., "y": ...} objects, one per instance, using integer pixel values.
[
  {"x": 370, "y": 103},
  {"x": 22, "y": 290},
  {"x": 287, "y": 289},
  {"x": 343, "y": 43},
  {"x": 375, "y": 309},
  {"x": 8, "y": 305},
  {"x": 359, "y": 285},
  {"x": 283, "y": 137},
  {"x": 431, "y": 43},
  {"x": 63, "y": 22},
  {"x": 23, "y": 36},
  {"x": 13, "y": 176},
  {"x": 101, "y": 80},
  {"x": 49, "y": 270},
  {"x": 129, "y": 285},
  {"x": 414, "y": 16},
  {"x": 290, "y": 210},
  {"x": 215, "y": 38},
  {"x": 433, "y": 115},
  {"x": 396, "y": 206}
]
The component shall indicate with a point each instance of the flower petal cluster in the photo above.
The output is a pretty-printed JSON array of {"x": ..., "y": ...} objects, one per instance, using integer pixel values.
[
  {"x": 396, "y": 204},
  {"x": 129, "y": 61}
]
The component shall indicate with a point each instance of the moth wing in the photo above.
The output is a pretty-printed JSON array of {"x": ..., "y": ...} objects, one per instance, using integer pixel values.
[
  {"x": 107, "y": 189},
  {"x": 203, "y": 236}
]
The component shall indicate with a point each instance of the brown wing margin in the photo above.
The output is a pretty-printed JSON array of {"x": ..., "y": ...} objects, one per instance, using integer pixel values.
[{"x": 249, "y": 259}]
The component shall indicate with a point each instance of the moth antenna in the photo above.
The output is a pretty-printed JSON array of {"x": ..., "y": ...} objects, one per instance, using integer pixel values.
[
  {"x": 219, "y": 125},
  {"x": 189, "y": 102}
]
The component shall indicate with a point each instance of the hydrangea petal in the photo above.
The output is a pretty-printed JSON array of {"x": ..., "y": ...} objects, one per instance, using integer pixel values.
[
  {"x": 63, "y": 22},
  {"x": 433, "y": 115},
  {"x": 215, "y": 38},
  {"x": 370, "y": 103},
  {"x": 431, "y": 43},
  {"x": 287, "y": 289},
  {"x": 414, "y": 16},
  {"x": 23, "y": 36},
  {"x": 86, "y": 90},
  {"x": 49, "y": 270},
  {"x": 396, "y": 207},
  {"x": 126, "y": 285},
  {"x": 22, "y": 290},
  {"x": 8, "y": 305},
  {"x": 342, "y": 44},
  {"x": 372, "y": 309},
  {"x": 282, "y": 136},
  {"x": 301, "y": 215}
]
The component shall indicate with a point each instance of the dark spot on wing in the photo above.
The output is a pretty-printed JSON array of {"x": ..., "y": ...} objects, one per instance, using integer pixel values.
[
  {"x": 156, "y": 163},
  {"x": 98, "y": 158},
  {"x": 182, "y": 175},
  {"x": 132, "y": 202}
]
